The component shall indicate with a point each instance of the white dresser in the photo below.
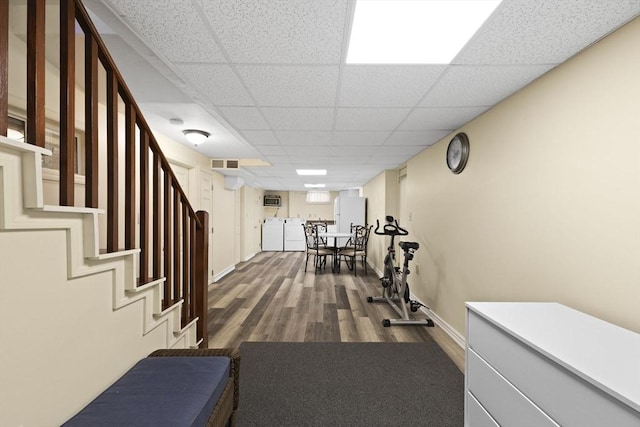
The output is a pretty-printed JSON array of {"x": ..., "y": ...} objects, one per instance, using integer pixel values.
[{"x": 545, "y": 364}]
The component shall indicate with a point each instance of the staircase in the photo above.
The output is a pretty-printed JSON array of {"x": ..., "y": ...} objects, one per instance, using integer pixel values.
[
  {"x": 22, "y": 208},
  {"x": 87, "y": 290},
  {"x": 71, "y": 319}
]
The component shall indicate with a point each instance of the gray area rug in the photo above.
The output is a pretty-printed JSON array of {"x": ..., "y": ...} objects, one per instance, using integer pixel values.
[{"x": 349, "y": 384}]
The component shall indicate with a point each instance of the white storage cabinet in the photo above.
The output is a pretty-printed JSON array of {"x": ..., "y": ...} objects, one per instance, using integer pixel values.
[{"x": 545, "y": 364}]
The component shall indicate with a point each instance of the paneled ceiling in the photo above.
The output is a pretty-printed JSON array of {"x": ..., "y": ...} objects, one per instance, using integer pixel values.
[{"x": 268, "y": 79}]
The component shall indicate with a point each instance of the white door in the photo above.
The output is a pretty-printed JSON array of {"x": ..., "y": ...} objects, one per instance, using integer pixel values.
[{"x": 182, "y": 175}]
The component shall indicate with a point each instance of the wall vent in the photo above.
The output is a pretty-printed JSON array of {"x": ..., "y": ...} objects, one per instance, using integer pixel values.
[{"x": 225, "y": 164}]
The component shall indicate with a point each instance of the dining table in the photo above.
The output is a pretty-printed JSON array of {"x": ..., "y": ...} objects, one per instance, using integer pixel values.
[{"x": 335, "y": 235}]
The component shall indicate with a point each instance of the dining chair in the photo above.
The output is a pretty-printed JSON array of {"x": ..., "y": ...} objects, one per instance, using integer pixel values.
[
  {"x": 315, "y": 247},
  {"x": 356, "y": 247}
]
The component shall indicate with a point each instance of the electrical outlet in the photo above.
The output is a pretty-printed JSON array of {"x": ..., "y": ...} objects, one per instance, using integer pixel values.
[{"x": 418, "y": 269}]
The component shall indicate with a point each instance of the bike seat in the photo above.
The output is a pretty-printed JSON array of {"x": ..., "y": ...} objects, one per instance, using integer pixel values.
[{"x": 409, "y": 245}]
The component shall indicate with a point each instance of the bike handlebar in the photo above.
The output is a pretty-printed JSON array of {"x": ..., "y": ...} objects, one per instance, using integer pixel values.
[{"x": 391, "y": 228}]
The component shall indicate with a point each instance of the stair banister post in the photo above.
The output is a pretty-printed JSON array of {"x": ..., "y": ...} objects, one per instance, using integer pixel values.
[{"x": 201, "y": 276}]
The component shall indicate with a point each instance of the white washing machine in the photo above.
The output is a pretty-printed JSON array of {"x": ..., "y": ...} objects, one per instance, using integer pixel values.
[
  {"x": 294, "y": 235},
  {"x": 273, "y": 234}
]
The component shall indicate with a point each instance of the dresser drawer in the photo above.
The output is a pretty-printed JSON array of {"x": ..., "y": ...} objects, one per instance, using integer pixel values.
[
  {"x": 565, "y": 397},
  {"x": 474, "y": 411},
  {"x": 501, "y": 399}
]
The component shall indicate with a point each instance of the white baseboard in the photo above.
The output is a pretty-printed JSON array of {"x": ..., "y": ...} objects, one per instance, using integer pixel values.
[
  {"x": 222, "y": 274},
  {"x": 374, "y": 268},
  {"x": 455, "y": 335}
]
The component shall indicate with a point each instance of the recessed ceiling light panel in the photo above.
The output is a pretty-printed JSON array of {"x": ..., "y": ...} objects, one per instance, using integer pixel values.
[
  {"x": 311, "y": 171},
  {"x": 414, "y": 31}
]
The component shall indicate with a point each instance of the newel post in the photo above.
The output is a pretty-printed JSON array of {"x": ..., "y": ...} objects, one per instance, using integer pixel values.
[{"x": 201, "y": 276}]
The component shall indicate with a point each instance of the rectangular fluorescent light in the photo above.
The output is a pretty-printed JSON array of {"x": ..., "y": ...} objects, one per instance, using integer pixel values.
[
  {"x": 315, "y": 185},
  {"x": 414, "y": 31},
  {"x": 311, "y": 171}
]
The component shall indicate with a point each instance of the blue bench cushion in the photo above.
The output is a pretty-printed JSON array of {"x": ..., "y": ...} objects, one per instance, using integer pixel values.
[{"x": 160, "y": 391}]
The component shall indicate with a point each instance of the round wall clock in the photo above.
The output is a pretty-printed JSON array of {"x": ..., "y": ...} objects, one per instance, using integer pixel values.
[{"x": 458, "y": 152}]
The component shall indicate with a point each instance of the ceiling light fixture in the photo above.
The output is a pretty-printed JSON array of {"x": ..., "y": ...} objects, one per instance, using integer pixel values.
[
  {"x": 311, "y": 171},
  {"x": 315, "y": 185},
  {"x": 414, "y": 32},
  {"x": 196, "y": 136}
]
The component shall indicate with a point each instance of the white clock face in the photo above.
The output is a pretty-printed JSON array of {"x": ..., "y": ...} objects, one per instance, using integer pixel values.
[
  {"x": 458, "y": 153},
  {"x": 454, "y": 153}
]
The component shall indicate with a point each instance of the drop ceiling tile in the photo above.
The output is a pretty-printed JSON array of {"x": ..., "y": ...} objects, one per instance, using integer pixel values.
[
  {"x": 406, "y": 151},
  {"x": 360, "y": 137},
  {"x": 279, "y": 160},
  {"x": 304, "y": 138},
  {"x": 309, "y": 162},
  {"x": 281, "y": 31},
  {"x": 467, "y": 86},
  {"x": 416, "y": 137},
  {"x": 291, "y": 86},
  {"x": 544, "y": 31},
  {"x": 142, "y": 78},
  {"x": 369, "y": 118},
  {"x": 265, "y": 171},
  {"x": 244, "y": 118},
  {"x": 217, "y": 83},
  {"x": 260, "y": 137},
  {"x": 308, "y": 150},
  {"x": 272, "y": 150},
  {"x": 353, "y": 162},
  {"x": 395, "y": 85},
  {"x": 436, "y": 119},
  {"x": 299, "y": 118},
  {"x": 165, "y": 29},
  {"x": 353, "y": 150}
]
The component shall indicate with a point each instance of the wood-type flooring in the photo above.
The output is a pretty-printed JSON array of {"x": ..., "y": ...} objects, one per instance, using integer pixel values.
[{"x": 270, "y": 298}]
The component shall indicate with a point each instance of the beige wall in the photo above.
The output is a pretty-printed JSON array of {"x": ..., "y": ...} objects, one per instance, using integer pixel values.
[
  {"x": 299, "y": 208},
  {"x": 548, "y": 207},
  {"x": 222, "y": 216},
  {"x": 294, "y": 205},
  {"x": 382, "y": 200}
]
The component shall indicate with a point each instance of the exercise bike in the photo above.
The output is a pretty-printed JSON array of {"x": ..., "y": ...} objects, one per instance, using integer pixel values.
[{"x": 395, "y": 288}]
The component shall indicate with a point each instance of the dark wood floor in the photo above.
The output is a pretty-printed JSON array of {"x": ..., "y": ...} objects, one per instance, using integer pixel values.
[{"x": 271, "y": 298}]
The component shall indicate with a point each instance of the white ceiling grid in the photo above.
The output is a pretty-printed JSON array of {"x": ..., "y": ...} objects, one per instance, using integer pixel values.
[{"x": 268, "y": 78}]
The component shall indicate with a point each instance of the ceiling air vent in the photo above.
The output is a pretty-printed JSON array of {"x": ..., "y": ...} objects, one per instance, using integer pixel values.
[{"x": 225, "y": 164}]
